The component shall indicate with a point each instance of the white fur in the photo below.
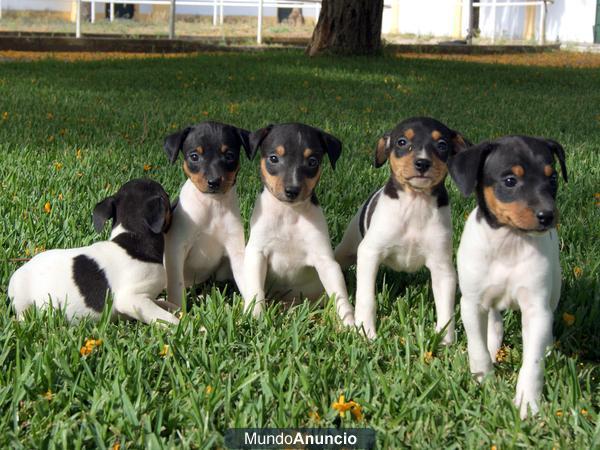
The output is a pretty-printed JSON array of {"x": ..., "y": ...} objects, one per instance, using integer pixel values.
[
  {"x": 289, "y": 256},
  {"x": 206, "y": 237},
  {"x": 405, "y": 234},
  {"x": 505, "y": 268},
  {"x": 48, "y": 277}
]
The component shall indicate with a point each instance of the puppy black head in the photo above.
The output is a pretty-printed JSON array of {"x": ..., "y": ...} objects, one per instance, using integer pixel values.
[
  {"x": 291, "y": 158},
  {"x": 419, "y": 149},
  {"x": 140, "y": 206},
  {"x": 515, "y": 180},
  {"x": 211, "y": 154}
]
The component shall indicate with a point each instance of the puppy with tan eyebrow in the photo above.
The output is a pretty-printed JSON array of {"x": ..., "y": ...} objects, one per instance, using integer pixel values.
[
  {"x": 508, "y": 253},
  {"x": 207, "y": 235},
  {"x": 289, "y": 255},
  {"x": 406, "y": 224}
]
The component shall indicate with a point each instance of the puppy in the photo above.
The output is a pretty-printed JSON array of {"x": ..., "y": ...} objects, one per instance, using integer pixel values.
[
  {"x": 508, "y": 254},
  {"x": 289, "y": 255},
  {"x": 207, "y": 235},
  {"x": 406, "y": 224},
  {"x": 129, "y": 266}
]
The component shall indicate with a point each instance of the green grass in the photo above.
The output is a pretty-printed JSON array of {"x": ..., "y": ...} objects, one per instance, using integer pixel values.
[{"x": 276, "y": 371}]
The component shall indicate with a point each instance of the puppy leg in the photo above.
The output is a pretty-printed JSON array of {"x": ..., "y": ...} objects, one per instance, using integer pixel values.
[
  {"x": 537, "y": 336},
  {"x": 167, "y": 306},
  {"x": 367, "y": 265},
  {"x": 443, "y": 283},
  {"x": 345, "y": 252},
  {"x": 333, "y": 281},
  {"x": 474, "y": 319},
  {"x": 255, "y": 274},
  {"x": 235, "y": 249},
  {"x": 495, "y": 332},
  {"x": 142, "y": 308},
  {"x": 174, "y": 261}
]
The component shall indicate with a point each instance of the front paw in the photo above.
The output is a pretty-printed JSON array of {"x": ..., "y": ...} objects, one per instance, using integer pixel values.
[
  {"x": 367, "y": 330},
  {"x": 348, "y": 319},
  {"x": 480, "y": 369},
  {"x": 449, "y": 337},
  {"x": 526, "y": 402},
  {"x": 258, "y": 310}
]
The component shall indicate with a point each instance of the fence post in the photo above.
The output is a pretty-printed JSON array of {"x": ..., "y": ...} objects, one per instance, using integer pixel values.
[
  {"x": 214, "y": 13},
  {"x": 0, "y": 9},
  {"x": 542, "y": 37},
  {"x": 112, "y": 12},
  {"x": 493, "y": 21},
  {"x": 260, "y": 24},
  {"x": 78, "y": 19},
  {"x": 221, "y": 12},
  {"x": 93, "y": 12},
  {"x": 172, "y": 20}
]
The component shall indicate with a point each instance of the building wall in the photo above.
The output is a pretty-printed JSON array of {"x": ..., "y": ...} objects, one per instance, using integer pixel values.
[{"x": 424, "y": 17}]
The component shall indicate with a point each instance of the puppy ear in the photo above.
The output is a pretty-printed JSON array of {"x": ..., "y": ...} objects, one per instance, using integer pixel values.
[
  {"x": 459, "y": 143},
  {"x": 382, "y": 150},
  {"x": 255, "y": 139},
  {"x": 559, "y": 152},
  {"x": 155, "y": 214},
  {"x": 102, "y": 212},
  {"x": 244, "y": 136},
  {"x": 174, "y": 142},
  {"x": 466, "y": 166},
  {"x": 333, "y": 147}
]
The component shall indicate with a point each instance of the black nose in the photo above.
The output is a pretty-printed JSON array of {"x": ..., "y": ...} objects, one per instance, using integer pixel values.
[
  {"x": 292, "y": 192},
  {"x": 214, "y": 183},
  {"x": 422, "y": 165},
  {"x": 545, "y": 218}
]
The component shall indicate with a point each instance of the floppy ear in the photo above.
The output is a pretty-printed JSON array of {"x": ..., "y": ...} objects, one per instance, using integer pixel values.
[
  {"x": 102, "y": 212},
  {"x": 459, "y": 143},
  {"x": 244, "y": 136},
  {"x": 382, "y": 150},
  {"x": 174, "y": 142},
  {"x": 466, "y": 166},
  {"x": 559, "y": 152},
  {"x": 333, "y": 147},
  {"x": 155, "y": 214},
  {"x": 256, "y": 138}
]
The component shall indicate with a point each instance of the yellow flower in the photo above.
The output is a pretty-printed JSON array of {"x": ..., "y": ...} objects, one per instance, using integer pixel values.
[
  {"x": 584, "y": 412},
  {"x": 303, "y": 109},
  {"x": 50, "y": 116},
  {"x": 568, "y": 319},
  {"x": 577, "y": 271},
  {"x": 47, "y": 207},
  {"x": 50, "y": 138},
  {"x": 39, "y": 249},
  {"x": 60, "y": 196},
  {"x": 147, "y": 167},
  {"x": 116, "y": 446},
  {"x": 27, "y": 252},
  {"x": 208, "y": 389},
  {"x": 234, "y": 108},
  {"x": 342, "y": 406},
  {"x": 89, "y": 346},
  {"x": 428, "y": 357},
  {"x": 164, "y": 351},
  {"x": 314, "y": 415},
  {"x": 559, "y": 413},
  {"x": 493, "y": 447},
  {"x": 58, "y": 165},
  {"x": 48, "y": 395},
  {"x": 78, "y": 154},
  {"x": 5, "y": 115},
  {"x": 205, "y": 113},
  {"x": 502, "y": 354}
]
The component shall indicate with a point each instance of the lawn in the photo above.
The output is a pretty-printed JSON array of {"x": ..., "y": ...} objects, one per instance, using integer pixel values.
[{"x": 72, "y": 132}]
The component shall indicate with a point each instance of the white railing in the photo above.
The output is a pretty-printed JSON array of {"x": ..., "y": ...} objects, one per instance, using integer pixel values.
[
  {"x": 217, "y": 5},
  {"x": 500, "y": 4}
]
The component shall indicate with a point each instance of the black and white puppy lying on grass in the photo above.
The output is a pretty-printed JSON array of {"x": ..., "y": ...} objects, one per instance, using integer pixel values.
[
  {"x": 129, "y": 266},
  {"x": 207, "y": 235},
  {"x": 289, "y": 255},
  {"x": 406, "y": 224},
  {"x": 508, "y": 254}
]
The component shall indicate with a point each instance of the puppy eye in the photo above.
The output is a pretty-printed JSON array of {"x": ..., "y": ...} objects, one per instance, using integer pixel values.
[
  {"x": 442, "y": 145},
  {"x": 510, "y": 181},
  {"x": 402, "y": 142},
  {"x": 229, "y": 157},
  {"x": 313, "y": 162},
  {"x": 194, "y": 156},
  {"x": 273, "y": 159}
]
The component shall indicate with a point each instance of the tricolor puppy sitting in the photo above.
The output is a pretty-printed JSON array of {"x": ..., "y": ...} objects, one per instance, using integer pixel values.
[
  {"x": 289, "y": 255},
  {"x": 129, "y": 266},
  {"x": 508, "y": 254},
  {"x": 207, "y": 235},
  {"x": 406, "y": 224}
]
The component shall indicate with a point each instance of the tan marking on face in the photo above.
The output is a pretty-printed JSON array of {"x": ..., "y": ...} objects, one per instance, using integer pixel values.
[
  {"x": 438, "y": 170},
  {"x": 307, "y": 152},
  {"x": 309, "y": 185},
  {"x": 224, "y": 148},
  {"x": 280, "y": 150},
  {"x": 402, "y": 167},
  {"x": 518, "y": 170},
  {"x": 548, "y": 170},
  {"x": 409, "y": 134},
  {"x": 229, "y": 179},
  {"x": 197, "y": 178},
  {"x": 514, "y": 214},
  {"x": 200, "y": 150},
  {"x": 273, "y": 183},
  {"x": 435, "y": 134}
]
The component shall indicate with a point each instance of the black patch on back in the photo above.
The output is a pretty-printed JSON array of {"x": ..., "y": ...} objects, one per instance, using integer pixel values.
[
  {"x": 148, "y": 248},
  {"x": 391, "y": 188},
  {"x": 363, "y": 214},
  {"x": 313, "y": 199},
  {"x": 441, "y": 193},
  {"x": 91, "y": 282}
]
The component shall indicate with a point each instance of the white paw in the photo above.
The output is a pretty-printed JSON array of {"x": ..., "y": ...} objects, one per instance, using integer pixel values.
[
  {"x": 367, "y": 330},
  {"x": 348, "y": 320},
  {"x": 527, "y": 401},
  {"x": 258, "y": 310},
  {"x": 448, "y": 338}
]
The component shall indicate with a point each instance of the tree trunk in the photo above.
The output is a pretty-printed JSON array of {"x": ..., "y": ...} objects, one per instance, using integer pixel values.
[{"x": 348, "y": 27}]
